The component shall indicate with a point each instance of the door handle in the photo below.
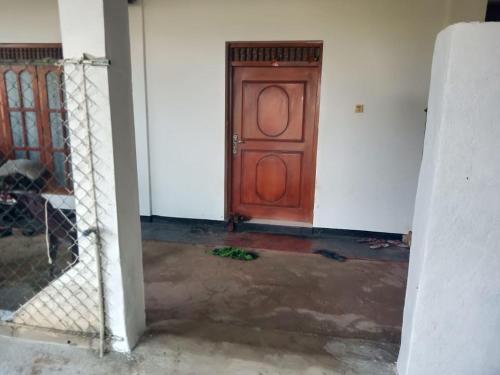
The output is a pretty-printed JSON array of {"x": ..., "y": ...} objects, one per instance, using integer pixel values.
[{"x": 236, "y": 141}]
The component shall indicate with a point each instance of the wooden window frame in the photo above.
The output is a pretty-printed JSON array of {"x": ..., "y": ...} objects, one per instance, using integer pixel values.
[{"x": 19, "y": 55}]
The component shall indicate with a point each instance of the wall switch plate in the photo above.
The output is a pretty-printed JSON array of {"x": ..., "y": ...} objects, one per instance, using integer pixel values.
[{"x": 359, "y": 108}]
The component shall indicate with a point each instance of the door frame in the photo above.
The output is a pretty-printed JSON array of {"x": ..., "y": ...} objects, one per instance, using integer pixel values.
[{"x": 315, "y": 60}]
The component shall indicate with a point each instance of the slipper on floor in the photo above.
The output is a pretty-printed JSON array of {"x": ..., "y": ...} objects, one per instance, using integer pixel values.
[{"x": 331, "y": 255}]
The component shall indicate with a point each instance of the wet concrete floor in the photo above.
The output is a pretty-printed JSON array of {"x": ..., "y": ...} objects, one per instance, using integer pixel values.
[{"x": 303, "y": 240}]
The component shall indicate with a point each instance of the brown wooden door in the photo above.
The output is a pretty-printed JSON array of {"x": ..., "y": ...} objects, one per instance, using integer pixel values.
[{"x": 274, "y": 116}]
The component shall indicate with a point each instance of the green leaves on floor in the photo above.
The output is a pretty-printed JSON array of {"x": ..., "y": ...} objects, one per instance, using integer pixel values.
[{"x": 234, "y": 253}]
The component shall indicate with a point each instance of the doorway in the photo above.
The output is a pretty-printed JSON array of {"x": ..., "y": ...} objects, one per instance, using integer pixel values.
[{"x": 273, "y": 108}]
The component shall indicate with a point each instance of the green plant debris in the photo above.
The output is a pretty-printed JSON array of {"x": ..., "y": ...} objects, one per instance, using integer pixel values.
[{"x": 234, "y": 253}]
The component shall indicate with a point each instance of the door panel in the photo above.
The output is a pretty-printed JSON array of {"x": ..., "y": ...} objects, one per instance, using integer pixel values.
[
  {"x": 273, "y": 111},
  {"x": 274, "y": 141},
  {"x": 271, "y": 179}
]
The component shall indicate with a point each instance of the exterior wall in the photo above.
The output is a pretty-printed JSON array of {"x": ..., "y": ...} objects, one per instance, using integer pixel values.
[
  {"x": 466, "y": 10},
  {"x": 454, "y": 260},
  {"x": 29, "y": 21},
  {"x": 375, "y": 52},
  {"x": 43, "y": 20}
]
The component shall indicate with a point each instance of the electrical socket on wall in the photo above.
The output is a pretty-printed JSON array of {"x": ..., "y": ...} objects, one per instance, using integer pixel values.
[{"x": 359, "y": 108}]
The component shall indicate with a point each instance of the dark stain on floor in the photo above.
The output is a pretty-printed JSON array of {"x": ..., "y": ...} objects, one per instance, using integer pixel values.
[{"x": 305, "y": 240}]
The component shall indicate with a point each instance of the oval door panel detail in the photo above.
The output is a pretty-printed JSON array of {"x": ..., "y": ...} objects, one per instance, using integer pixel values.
[
  {"x": 273, "y": 107},
  {"x": 271, "y": 176}
]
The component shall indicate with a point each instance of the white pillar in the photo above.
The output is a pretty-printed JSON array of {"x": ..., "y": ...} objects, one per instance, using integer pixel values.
[
  {"x": 137, "y": 50},
  {"x": 452, "y": 310},
  {"x": 100, "y": 28}
]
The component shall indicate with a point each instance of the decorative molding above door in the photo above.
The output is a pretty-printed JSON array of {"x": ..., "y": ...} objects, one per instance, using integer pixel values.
[
  {"x": 30, "y": 51},
  {"x": 292, "y": 52}
]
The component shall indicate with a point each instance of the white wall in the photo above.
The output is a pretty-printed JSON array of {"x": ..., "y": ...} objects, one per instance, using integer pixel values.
[
  {"x": 29, "y": 21},
  {"x": 466, "y": 10},
  {"x": 452, "y": 309},
  {"x": 35, "y": 21},
  {"x": 375, "y": 52}
]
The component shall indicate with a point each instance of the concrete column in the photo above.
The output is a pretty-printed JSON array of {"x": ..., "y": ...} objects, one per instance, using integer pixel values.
[
  {"x": 100, "y": 28},
  {"x": 137, "y": 50},
  {"x": 452, "y": 309}
]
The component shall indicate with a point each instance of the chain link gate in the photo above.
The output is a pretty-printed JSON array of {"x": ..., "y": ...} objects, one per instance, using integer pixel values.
[{"x": 50, "y": 251}]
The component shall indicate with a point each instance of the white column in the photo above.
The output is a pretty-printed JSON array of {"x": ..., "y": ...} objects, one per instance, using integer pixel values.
[
  {"x": 452, "y": 309},
  {"x": 100, "y": 28},
  {"x": 137, "y": 50}
]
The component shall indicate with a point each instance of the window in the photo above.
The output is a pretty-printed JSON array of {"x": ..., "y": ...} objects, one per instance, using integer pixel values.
[{"x": 32, "y": 123}]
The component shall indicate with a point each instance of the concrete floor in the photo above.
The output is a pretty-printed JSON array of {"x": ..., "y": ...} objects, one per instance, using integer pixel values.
[
  {"x": 24, "y": 268},
  {"x": 167, "y": 354},
  {"x": 187, "y": 287},
  {"x": 284, "y": 313}
]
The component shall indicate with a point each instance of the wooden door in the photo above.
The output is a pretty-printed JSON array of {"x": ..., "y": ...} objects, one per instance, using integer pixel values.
[{"x": 273, "y": 140}]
